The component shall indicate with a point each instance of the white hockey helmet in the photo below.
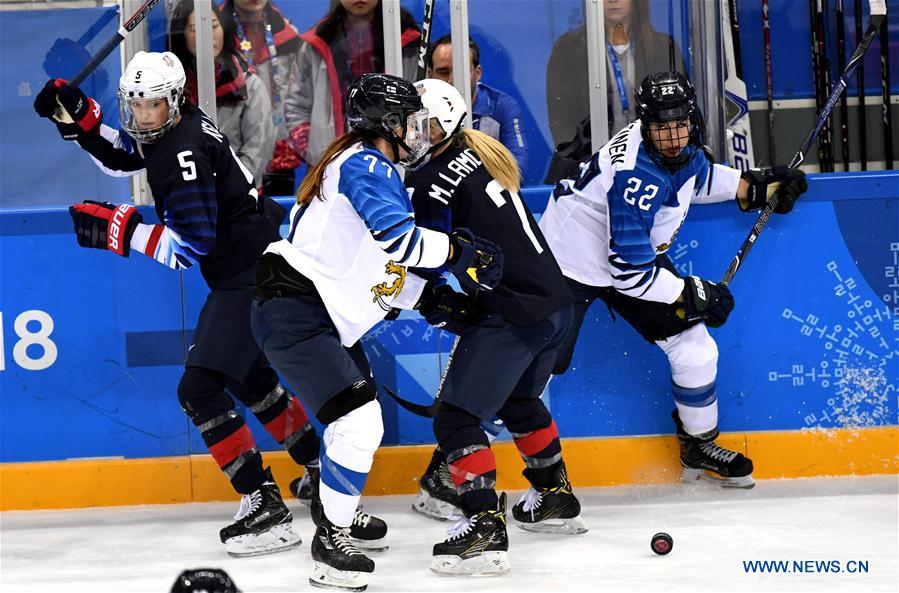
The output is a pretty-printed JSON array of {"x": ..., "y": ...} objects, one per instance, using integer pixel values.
[
  {"x": 444, "y": 103},
  {"x": 150, "y": 75}
]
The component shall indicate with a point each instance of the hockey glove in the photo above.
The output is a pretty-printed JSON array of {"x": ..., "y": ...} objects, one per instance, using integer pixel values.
[
  {"x": 74, "y": 112},
  {"x": 707, "y": 301},
  {"x": 447, "y": 309},
  {"x": 788, "y": 183},
  {"x": 476, "y": 263},
  {"x": 102, "y": 225}
]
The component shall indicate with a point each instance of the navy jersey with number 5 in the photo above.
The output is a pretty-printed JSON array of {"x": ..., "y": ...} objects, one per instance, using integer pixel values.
[
  {"x": 455, "y": 190},
  {"x": 204, "y": 196}
]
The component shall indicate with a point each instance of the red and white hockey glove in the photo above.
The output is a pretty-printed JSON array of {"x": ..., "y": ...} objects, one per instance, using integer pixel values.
[
  {"x": 74, "y": 112},
  {"x": 101, "y": 225}
]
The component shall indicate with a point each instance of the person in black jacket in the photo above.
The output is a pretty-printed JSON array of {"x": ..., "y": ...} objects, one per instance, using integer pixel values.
[
  {"x": 507, "y": 345},
  {"x": 633, "y": 49}
]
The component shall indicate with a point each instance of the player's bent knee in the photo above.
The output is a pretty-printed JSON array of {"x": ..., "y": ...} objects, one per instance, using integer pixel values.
[
  {"x": 197, "y": 388},
  {"x": 342, "y": 403},
  {"x": 693, "y": 355},
  {"x": 361, "y": 428}
]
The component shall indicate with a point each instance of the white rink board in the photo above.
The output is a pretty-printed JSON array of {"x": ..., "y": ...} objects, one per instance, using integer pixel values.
[{"x": 142, "y": 549}]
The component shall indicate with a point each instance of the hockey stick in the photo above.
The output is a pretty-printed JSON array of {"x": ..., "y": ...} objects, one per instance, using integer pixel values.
[
  {"x": 736, "y": 105},
  {"x": 769, "y": 81},
  {"x": 885, "y": 84},
  {"x": 425, "y": 39},
  {"x": 860, "y": 83},
  {"x": 826, "y": 164},
  {"x": 878, "y": 15},
  {"x": 844, "y": 107},
  {"x": 417, "y": 409},
  {"x": 114, "y": 41}
]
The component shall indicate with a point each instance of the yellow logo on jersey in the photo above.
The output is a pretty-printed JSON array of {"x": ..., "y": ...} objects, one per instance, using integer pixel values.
[{"x": 383, "y": 289}]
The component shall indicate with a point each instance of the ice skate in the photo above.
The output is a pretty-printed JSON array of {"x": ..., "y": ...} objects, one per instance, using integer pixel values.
[
  {"x": 477, "y": 546},
  {"x": 338, "y": 564},
  {"x": 368, "y": 532},
  {"x": 703, "y": 459},
  {"x": 301, "y": 487},
  {"x": 554, "y": 509},
  {"x": 263, "y": 524},
  {"x": 437, "y": 497}
]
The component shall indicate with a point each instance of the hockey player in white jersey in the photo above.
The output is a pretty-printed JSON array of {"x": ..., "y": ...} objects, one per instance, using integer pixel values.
[
  {"x": 610, "y": 231},
  {"x": 342, "y": 267}
]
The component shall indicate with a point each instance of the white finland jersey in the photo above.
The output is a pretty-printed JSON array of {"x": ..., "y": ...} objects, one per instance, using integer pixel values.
[
  {"x": 607, "y": 227},
  {"x": 356, "y": 243}
]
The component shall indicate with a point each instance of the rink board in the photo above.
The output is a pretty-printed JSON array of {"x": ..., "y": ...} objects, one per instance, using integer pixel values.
[{"x": 92, "y": 344}]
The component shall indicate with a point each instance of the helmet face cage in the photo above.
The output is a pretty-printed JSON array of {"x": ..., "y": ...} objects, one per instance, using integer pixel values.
[
  {"x": 417, "y": 140},
  {"x": 662, "y": 100},
  {"x": 150, "y": 77}
]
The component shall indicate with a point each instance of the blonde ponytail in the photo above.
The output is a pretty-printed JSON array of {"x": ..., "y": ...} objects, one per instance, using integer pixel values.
[{"x": 497, "y": 159}]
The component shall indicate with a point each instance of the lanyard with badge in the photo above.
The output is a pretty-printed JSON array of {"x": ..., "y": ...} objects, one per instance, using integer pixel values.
[
  {"x": 246, "y": 47},
  {"x": 619, "y": 80}
]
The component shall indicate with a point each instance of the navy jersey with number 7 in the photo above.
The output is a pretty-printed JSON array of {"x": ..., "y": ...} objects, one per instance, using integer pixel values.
[{"x": 455, "y": 190}]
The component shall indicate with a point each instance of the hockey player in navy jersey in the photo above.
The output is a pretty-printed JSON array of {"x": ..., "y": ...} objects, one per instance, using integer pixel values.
[
  {"x": 212, "y": 216},
  {"x": 610, "y": 231},
  {"x": 340, "y": 270},
  {"x": 507, "y": 345}
]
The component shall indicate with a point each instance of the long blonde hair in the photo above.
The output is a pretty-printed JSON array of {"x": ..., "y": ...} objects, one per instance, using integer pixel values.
[
  {"x": 311, "y": 186},
  {"x": 497, "y": 159}
]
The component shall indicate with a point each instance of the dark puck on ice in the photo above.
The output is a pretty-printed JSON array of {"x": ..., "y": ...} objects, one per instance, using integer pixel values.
[{"x": 662, "y": 543}]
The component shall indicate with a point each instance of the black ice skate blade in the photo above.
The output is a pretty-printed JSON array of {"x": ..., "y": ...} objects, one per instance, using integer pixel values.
[
  {"x": 371, "y": 545},
  {"x": 572, "y": 526},
  {"x": 336, "y": 587},
  {"x": 691, "y": 475}
]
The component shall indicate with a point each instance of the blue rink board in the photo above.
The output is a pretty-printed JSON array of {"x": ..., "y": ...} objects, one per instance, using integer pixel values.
[{"x": 812, "y": 343}]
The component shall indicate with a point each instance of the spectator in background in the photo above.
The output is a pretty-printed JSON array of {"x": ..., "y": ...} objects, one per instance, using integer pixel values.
[
  {"x": 243, "y": 107},
  {"x": 633, "y": 51},
  {"x": 270, "y": 44},
  {"x": 346, "y": 43},
  {"x": 493, "y": 112}
]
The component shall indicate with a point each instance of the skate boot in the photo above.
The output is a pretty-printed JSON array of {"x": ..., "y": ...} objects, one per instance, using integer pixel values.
[
  {"x": 263, "y": 524},
  {"x": 702, "y": 458},
  {"x": 438, "y": 498},
  {"x": 552, "y": 509},
  {"x": 301, "y": 487},
  {"x": 338, "y": 564},
  {"x": 367, "y": 531},
  {"x": 477, "y": 546}
]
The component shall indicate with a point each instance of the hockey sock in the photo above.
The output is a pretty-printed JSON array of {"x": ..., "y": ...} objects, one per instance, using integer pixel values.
[
  {"x": 697, "y": 408},
  {"x": 541, "y": 451},
  {"x": 348, "y": 448},
  {"x": 285, "y": 419},
  {"x": 469, "y": 457}
]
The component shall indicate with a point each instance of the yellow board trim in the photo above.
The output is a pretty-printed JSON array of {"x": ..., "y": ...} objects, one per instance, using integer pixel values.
[{"x": 590, "y": 461}]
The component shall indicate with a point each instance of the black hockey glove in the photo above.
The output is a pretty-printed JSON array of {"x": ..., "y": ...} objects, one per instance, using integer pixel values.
[
  {"x": 707, "y": 301},
  {"x": 476, "y": 263},
  {"x": 73, "y": 112},
  {"x": 789, "y": 183},
  {"x": 101, "y": 225},
  {"x": 445, "y": 308}
]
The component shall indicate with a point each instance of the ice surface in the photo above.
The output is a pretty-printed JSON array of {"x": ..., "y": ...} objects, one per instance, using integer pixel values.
[{"x": 142, "y": 549}]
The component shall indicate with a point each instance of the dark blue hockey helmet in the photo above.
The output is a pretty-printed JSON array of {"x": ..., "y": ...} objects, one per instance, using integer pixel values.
[
  {"x": 663, "y": 101},
  {"x": 208, "y": 580},
  {"x": 380, "y": 104}
]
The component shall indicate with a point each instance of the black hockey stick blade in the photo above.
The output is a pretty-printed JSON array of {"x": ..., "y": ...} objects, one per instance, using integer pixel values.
[
  {"x": 417, "y": 409},
  {"x": 114, "y": 41},
  {"x": 878, "y": 15}
]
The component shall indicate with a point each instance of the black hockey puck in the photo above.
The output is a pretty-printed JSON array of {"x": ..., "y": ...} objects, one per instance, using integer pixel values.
[{"x": 662, "y": 543}]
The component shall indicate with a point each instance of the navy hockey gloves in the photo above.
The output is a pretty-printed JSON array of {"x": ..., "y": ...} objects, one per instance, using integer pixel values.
[
  {"x": 792, "y": 185},
  {"x": 447, "y": 309},
  {"x": 707, "y": 301},
  {"x": 476, "y": 263},
  {"x": 73, "y": 112},
  {"x": 101, "y": 225}
]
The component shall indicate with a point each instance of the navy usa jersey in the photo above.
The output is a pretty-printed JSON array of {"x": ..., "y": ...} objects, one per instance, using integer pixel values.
[
  {"x": 454, "y": 190},
  {"x": 204, "y": 196}
]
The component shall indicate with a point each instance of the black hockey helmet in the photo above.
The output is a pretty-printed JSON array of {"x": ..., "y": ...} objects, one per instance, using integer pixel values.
[
  {"x": 208, "y": 580},
  {"x": 665, "y": 97},
  {"x": 381, "y": 103}
]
